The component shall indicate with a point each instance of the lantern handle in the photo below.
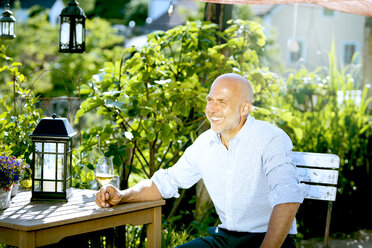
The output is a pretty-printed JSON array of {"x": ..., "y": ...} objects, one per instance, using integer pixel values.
[{"x": 99, "y": 146}]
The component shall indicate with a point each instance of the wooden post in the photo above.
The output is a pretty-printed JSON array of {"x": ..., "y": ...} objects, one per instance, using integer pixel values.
[
  {"x": 154, "y": 230},
  {"x": 27, "y": 239},
  {"x": 328, "y": 223}
]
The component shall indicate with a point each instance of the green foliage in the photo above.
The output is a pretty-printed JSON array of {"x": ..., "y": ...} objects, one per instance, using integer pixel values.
[
  {"x": 153, "y": 99},
  {"x": 50, "y": 73},
  {"x": 19, "y": 115},
  {"x": 136, "y": 11},
  {"x": 113, "y": 11},
  {"x": 171, "y": 238},
  {"x": 327, "y": 112},
  {"x": 36, "y": 45}
]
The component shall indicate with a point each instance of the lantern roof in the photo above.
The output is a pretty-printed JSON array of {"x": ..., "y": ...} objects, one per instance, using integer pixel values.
[
  {"x": 7, "y": 16},
  {"x": 55, "y": 127},
  {"x": 73, "y": 10}
]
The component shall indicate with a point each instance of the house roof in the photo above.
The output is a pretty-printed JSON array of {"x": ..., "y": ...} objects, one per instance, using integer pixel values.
[
  {"x": 165, "y": 21},
  {"x": 360, "y": 7}
]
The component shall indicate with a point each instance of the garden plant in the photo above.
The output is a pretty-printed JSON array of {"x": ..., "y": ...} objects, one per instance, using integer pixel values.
[{"x": 147, "y": 106}]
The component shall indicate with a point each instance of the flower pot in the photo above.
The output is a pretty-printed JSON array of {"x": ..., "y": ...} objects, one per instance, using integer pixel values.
[
  {"x": 15, "y": 189},
  {"x": 5, "y": 198}
]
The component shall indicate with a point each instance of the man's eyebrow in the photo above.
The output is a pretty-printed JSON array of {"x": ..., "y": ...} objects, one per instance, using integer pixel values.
[{"x": 217, "y": 99}]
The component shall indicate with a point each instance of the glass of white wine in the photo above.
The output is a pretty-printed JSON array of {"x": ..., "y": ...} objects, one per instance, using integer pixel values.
[{"x": 104, "y": 170}]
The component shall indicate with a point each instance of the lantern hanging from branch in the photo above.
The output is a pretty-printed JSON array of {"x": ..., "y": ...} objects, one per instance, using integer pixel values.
[
  {"x": 7, "y": 24},
  {"x": 72, "y": 29},
  {"x": 52, "y": 159}
]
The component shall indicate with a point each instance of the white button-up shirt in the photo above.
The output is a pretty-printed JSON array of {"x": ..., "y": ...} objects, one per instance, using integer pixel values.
[{"x": 244, "y": 181}]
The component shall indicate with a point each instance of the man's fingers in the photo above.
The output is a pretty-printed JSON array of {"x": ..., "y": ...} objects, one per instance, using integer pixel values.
[
  {"x": 105, "y": 195},
  {"x": 102, "y": 197}
]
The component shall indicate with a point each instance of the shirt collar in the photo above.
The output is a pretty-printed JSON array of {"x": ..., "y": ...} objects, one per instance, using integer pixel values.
[
  {"x": 216, "y": 137},
  {"x": 245, "y": 129}
]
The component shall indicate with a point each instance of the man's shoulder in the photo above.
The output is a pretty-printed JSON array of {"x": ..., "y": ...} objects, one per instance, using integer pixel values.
[
  {"x": 266, "y": 128},
  {"x": 266, "y": 132},
  {"x": 202, "y": 141},
  {"x": 206, "y": 136}
]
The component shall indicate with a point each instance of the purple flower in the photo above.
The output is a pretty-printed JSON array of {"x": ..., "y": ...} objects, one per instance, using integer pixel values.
[{"x": 11, "y": 170}]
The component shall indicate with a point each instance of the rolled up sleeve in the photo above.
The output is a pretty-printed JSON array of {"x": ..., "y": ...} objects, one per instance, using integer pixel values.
[
  {"x": 183, "y": 174},
  {"x": 281, "y": 172}
]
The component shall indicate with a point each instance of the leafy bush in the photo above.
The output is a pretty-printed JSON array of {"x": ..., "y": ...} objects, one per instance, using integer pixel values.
[
  {"x": 327, "y": 112},
  {"x": 19, "y": 116},
  {"x": 50, "y": 73},
  {"x": 152, "y": 101}
]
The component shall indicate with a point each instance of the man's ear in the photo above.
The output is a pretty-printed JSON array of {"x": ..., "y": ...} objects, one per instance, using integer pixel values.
[{"x": 247, "y": 106}]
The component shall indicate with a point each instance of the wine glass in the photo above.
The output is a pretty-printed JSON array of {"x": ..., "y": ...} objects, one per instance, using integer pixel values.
[{"x": 104, "y": 170}]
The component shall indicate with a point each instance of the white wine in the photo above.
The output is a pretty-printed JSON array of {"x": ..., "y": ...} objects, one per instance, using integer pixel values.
[{"x": 104, "y": 178}]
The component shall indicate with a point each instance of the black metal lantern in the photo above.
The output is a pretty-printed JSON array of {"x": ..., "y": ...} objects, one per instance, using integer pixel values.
[
  {"x": 72, "y": 29},
  {"x": 7, "y": 24},
  {"x": 51, "y": 159}
]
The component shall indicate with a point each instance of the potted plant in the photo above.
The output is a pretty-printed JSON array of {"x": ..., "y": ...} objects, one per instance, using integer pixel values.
[{"x": 11, "y": 170}]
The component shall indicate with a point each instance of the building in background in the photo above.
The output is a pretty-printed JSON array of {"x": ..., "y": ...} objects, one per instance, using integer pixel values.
[
  {"x": 315, "y": 30},
  {"x": 160, "y": 17}
]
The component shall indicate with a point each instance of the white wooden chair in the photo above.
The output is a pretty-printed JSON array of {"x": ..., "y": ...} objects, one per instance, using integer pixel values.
[{"x": 320, "y": 172}]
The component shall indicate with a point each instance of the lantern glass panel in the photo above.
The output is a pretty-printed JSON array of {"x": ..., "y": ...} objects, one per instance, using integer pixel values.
[
  {"x": 60, "y": 167},
  {"x": 79, "y": 33},
  {"x": 38, "y": 147},
  {"x": 11, "y": 28},
  {"x": 49, "y": 186},
  {"x": 37, "y": 186},
  {"x": 68, "y": 166},
  {"x": 59, "y": 187},
  {"x": 5, "y": 28},
  {"x": 50, "y": 147},
  {"x": 61, "y": 148},
  {"x": 65, "y": 31},
  {"x": 49, "y": 171},
  {"x": 38, "y": 165}
]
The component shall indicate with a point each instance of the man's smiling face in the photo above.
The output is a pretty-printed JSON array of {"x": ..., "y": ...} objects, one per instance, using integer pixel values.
[{"x": 224, "y": 107}]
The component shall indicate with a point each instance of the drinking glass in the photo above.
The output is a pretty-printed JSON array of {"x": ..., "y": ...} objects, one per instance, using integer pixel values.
[{"x": 104, "y": 170}]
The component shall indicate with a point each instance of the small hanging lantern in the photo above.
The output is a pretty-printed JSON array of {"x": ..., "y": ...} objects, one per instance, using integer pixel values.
[
  {"x": 51, "y": 159},
  {"x": 7, "y": 24},
  {"x": 72, "y": 29}
]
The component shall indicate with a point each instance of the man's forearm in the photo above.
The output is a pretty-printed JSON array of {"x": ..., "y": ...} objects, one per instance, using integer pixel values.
[
  {"x": 280, "y": 223},
  {"x": 145, "y": 190}
]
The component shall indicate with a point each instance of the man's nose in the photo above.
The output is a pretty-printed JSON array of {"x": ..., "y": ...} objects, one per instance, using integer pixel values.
[{"x": 211, "y": 108}]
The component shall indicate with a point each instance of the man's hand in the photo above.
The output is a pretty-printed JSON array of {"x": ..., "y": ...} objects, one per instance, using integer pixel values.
[
  {"x": 108, "y": 196},
  {"x": 145, "y": 190}
]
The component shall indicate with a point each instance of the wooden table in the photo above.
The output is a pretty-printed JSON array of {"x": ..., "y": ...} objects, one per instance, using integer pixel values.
[{"x": 33, "y": 224}]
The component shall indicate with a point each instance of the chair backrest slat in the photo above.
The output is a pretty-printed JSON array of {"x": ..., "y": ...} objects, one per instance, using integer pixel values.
[
  {"x": 320, "y": 192},
  {"x": 320, "y": 172},
  {"x": 321, "y": 160},
  {"x": 317, "y": 175}
]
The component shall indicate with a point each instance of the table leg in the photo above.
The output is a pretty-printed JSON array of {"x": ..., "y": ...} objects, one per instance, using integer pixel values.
[
  {"x": 27, "y": 239},
  {"x": 154, "y": 230}
]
